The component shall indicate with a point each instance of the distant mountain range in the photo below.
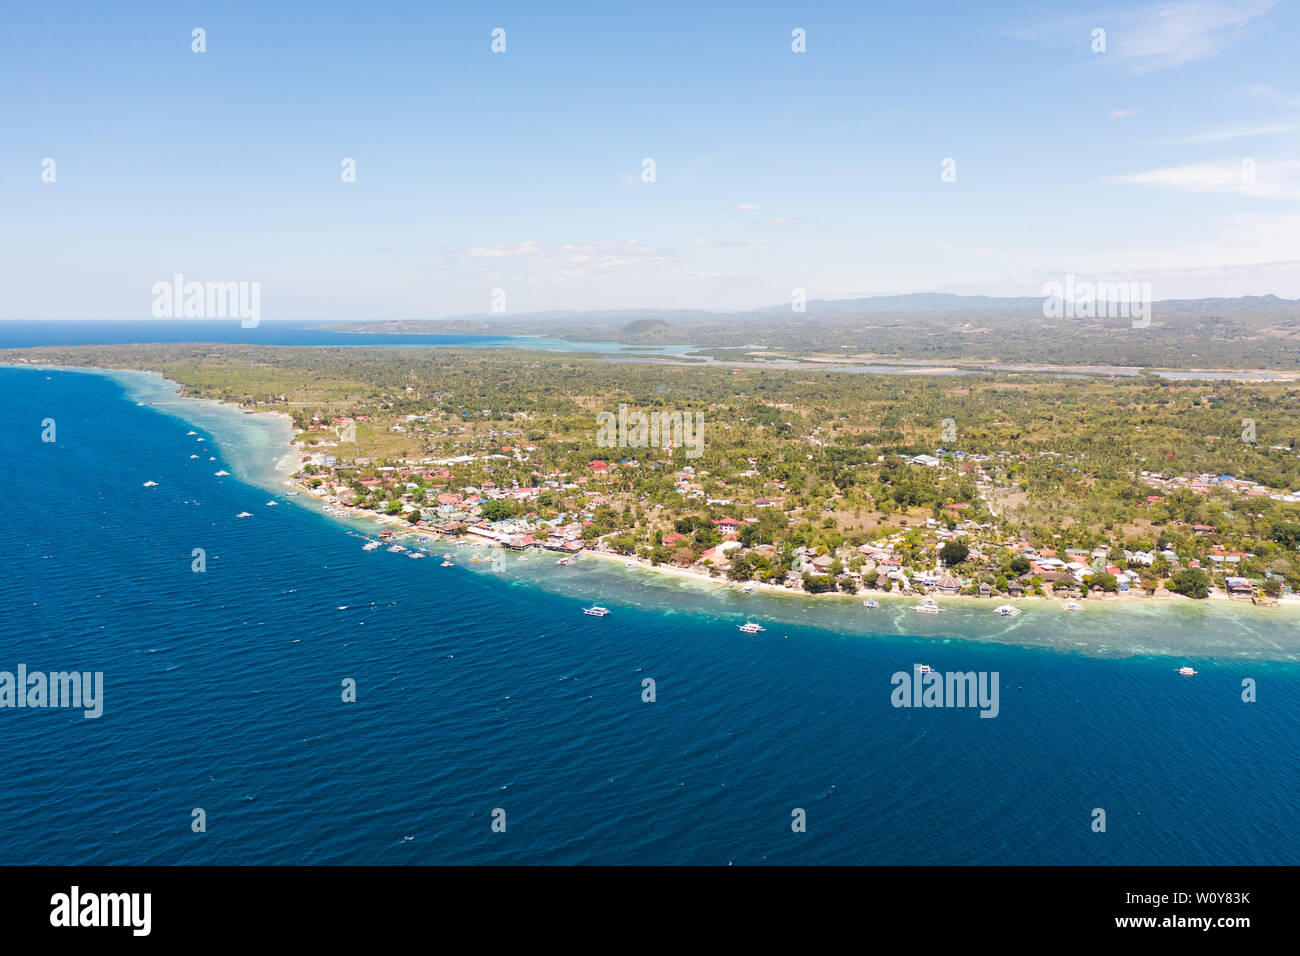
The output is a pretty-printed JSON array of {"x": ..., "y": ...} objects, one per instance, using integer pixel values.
[
  {"x": 913, "y": 303},
  {"x": 947, "y": 302},
  {"x": 1259, "y": 332}
]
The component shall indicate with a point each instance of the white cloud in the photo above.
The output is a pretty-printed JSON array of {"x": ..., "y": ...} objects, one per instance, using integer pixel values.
[
  {"x": 1120, "y": 114},
  {"x": 1156, "y": 36},
  {"x": 1224, "y": 135},
  {"x": 1277, "y": 96},
  {"x": 501, "y": 250},
  {"x": 545, "y": 262},
  {"x": 744, "y": 207},
  {"x": 731, "y": 242},
  {"x": 1171, "y": 34},
  {"x": 1252, "y": 252},
  {"x": 1277, "y": 180}
]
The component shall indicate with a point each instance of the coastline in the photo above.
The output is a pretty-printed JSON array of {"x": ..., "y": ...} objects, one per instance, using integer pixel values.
[
  {"x": 720, "y": 583},
  {"x": 272, "y": 461}
]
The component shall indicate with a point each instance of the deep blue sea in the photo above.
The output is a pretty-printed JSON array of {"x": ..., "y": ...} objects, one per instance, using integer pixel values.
[{"x": 478, "y": 691}]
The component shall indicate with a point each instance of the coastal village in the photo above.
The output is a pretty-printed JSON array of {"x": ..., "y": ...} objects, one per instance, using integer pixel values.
[
  {"x": 1000, "y": 487},
  {"x": 737, "y": 527}
]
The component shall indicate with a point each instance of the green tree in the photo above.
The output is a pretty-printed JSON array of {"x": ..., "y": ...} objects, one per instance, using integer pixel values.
[
  {"x": 954, "y": 552},
  {"x": 496, "y": 510},
  {"x": 1191, "y": 582},
  {"x": 1101, "y": 581}
]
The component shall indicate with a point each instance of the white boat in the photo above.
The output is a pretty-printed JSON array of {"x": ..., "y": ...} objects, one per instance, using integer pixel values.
[
  {"x": 222, "y": 474},
  {"x": 447, "y": 564},
  {"x": 749, "y": 627},
  {"x": 749, "y": 588},
  {"x": 1187, "y": 672},
  {"x": 370, "y": 546},
  {"x": 447, "y": 556},
  {"x": 272, "y": 504},
  {"x": 1072, "y": 606},
  {"x": 596, "y": 610},
  {"x": 924, "y": 669},
  {"x": 191, "y": 433},
  {"x": 926, "y": 607},
  {"x": 871, "y": 603},
  {"x": 1008, "y": 610},
  {"x": 194, "y": 456},
  {"x": 415, "y": 554},
  {"x": 244, "y": 514},
  {"x": 151, "y": 484},
  {"x": 565, "y": 562}
]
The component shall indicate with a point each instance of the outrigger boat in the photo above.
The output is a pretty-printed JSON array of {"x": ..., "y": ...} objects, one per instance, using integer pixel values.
[
  {"x": 871, "y": 603},
  {"x": 1008, "y": 610},
  {"x": 749, "y": 627},
  {"x": 596, "y": 610},
  {"x": 1187, "y": 672}
]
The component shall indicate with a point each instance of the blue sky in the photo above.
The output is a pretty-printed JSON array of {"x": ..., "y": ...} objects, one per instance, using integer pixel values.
[{"x": 521, "y": 170}]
